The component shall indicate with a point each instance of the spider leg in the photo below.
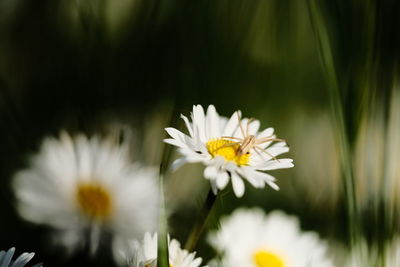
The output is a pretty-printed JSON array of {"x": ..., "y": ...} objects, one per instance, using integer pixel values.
[
  {"x": 240, "y": 124},
  {"x": 256, "y": 149},
  {"x": 267, "y": 139},
  {"x": 266, "y": 152},
  {"x": 231, "y": 137},
  {"x": 248, "y": 125}
]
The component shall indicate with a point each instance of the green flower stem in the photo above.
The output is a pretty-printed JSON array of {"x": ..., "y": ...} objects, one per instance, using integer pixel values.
[
  {"x": 162, "y": 253},
  {"x": 201, "y": 222}
]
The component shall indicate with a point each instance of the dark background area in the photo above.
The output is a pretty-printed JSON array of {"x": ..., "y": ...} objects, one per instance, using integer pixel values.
[{"x": 80, "y": 65}]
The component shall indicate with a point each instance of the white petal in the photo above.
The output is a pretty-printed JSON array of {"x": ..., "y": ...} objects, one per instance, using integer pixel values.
[
  {"x": 214, "y": 187},
  {"x": 177, "y": 164},
  {"x": 194, "y": 159},
  {"x": 213, "y": 130},
  {"x": 188, "y": 124},
  {"x": 232, "y": 124},
  {"x": 255, "y": 178},
  {"x": 198, "y": 119},
  {"x": 266, "y": 177},
  {"x": 277, "y": 150},
  {"x": 238, "y": 185},
  {"x": 178, "y": 135},
  {"x": 210, "y": 172},
  {"x": 253, "y": 127},
  {"x": 219, "y": 161},
  {"x": 266, "y": 133},
  {"x": 222, "y": 179},
  {"x": 280, "y": 144},
  {"x": 192, "y": 156},
  {"x": 23, "y": 259},
  {"x": 261, "y": 177},
  {"x": 254, "y": 181},
  {"x": 260, "y": 156},
  {"x": 174, "y": 142},
  {"x": 6, "y": 257},
  {"x": 273, "y": 185},
  {"x": 241, "y": 131},
  {"x": 275, "y": 164},
  {"x": 222, "y": 123}
]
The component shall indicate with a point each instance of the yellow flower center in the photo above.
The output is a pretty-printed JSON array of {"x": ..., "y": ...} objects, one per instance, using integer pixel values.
[
  {"x": 228, "y": 150},
  {"x": 94, "y": 201},
  {"x": 263, "y": 258}
]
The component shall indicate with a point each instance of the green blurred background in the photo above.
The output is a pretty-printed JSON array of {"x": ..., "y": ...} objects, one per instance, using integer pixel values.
[{"x": 322, "y": 73}]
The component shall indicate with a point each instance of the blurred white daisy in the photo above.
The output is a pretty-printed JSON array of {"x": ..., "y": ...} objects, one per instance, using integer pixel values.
[
  {"x": 222, "y": 146},
  {"x": 86, "y": 187},
  {"x": 249, "y": 238},
  {"x": 392, "y": 252},
  {"x": 367, "y": 254},
  {"x": 132, "y": 253},
  {"x": 6, "y": 259}
]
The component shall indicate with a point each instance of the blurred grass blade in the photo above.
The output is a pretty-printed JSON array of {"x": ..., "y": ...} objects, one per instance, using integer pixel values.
[{"x": 325, "y": 51}]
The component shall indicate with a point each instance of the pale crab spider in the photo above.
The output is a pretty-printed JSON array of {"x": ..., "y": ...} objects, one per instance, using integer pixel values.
[{"x": 249, "y": 141}]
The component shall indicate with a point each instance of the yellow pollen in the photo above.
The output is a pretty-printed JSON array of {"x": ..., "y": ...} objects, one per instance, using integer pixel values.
[
  {"x": 94, "y": 201},
  {"x": 227, "y": 149},
  {"x": 263, "y": 258}
]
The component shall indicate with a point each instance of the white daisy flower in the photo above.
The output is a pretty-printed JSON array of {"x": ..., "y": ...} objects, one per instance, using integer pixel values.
[
  {"x": 7, "y": 261},
  {"x": 231, "y": 149},
  {"x": 85, "y": 187},
  {"x": 249, "y": 238},
  {"x": 132, "y": 253}
]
